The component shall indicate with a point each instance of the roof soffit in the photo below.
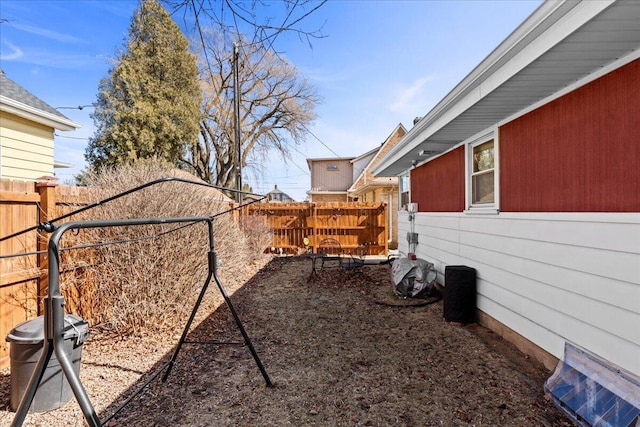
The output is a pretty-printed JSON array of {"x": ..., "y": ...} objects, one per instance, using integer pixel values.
[
  {"x": 366, "y": 172},
  {"x": 529, "y": 66}
]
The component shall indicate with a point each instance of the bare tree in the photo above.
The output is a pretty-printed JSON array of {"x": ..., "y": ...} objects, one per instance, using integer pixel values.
[
  {"x": 264, "y": 19},
  {"x": 277, "y": 103},
  {"x": 276, "y": 106}
]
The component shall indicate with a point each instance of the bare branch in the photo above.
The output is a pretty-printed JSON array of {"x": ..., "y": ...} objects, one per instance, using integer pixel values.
[
  {"x": 240, "y": 17},
  {"x": 277, "y": 105}
]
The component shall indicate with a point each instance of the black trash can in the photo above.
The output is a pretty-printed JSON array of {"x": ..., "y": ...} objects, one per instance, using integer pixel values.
[
  {"x": 27, "y": 340},
  {"x": 460, "y": 294}
]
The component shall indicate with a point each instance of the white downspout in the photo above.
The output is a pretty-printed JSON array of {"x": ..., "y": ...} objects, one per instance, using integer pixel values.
[{"x": 390, "y": 199}]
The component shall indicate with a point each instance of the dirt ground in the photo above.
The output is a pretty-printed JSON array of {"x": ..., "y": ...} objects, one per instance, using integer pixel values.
[{"x": 340, "y": 350}]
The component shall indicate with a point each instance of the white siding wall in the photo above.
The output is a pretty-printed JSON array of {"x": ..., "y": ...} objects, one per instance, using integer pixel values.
[
  {"x": 551, "y": 277},
  {"x": 360, "y": 164}
]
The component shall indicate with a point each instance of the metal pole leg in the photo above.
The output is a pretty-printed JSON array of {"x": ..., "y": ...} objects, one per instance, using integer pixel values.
[
  {"x": 67, "y": 366},
  {"x": 247, "y": 340},
  {"x": 36, "y": 376},
  {"x": 186, "y": 328}
]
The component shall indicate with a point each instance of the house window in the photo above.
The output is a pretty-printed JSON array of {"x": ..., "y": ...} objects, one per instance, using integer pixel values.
[
  {"x": 482, "y": 175},
  {"x": 404, "y": 191},
  {"x": 332, "y": 167},
  {"x": 482, "y": 185}
]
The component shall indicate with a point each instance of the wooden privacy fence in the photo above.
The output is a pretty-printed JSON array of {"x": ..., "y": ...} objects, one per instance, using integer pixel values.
[
  {"x": 301, "y": 227},
  {"x": 23, "y": 279},
  {"x": 296, "y": 228}
]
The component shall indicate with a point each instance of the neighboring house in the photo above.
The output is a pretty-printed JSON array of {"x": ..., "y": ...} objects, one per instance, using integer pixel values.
[
  {"x": 368, "y": 188},
  {"x": 330, "y": 179},
  {"x": 279, "y": 196},
  {"x": 359, "y": 164},
  {"x": 27, "y": 127},
  {"x": 529, "y": 172},
  {"x": 252, "y": 198}
]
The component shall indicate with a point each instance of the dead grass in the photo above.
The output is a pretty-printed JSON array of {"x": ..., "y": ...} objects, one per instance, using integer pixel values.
[{"x": 335, "y": 354}]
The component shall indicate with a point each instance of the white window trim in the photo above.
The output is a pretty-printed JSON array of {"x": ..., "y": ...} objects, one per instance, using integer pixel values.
[
  {"x": 483, "y": 209},
  {"x": 406, "y": 173}
]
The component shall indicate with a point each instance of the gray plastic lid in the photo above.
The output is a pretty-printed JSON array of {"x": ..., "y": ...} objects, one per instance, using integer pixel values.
[{"x": 32, "y": 331}]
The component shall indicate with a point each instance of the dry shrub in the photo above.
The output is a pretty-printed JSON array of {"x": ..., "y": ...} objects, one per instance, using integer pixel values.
[
  {"x": 145, "y": 278},
  {"x": 257, "y": 231}
]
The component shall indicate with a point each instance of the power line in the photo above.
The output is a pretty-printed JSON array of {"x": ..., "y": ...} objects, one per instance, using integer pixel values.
[
  {"x": 71, "y": 137},
  {"x": 79, "y": 107},
  {"x": 298, "y": 166},
  {"x": 290, "y": 176},
  {"x": 271, "y": 40},
  {"x": 267, "y": 188},
  {"x": 330, "y": 149},
  {"x": 320, "y": 141}
]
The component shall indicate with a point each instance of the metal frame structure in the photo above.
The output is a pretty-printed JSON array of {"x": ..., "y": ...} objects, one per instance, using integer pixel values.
[
  {"x": 54, "y": 317},
  {"x": 54, "y": 302}
]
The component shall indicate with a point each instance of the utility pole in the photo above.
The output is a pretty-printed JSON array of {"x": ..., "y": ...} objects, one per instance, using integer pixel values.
[{"x": 236, "y": 113}]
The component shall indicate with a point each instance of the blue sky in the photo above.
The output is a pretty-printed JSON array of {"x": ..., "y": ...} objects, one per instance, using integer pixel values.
[{"x": 380, "y": 64}]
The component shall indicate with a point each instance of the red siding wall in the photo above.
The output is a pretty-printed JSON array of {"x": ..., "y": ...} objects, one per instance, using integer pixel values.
[
  {"x": 579, "y": 153},
  {"x": 438, "y": 186}
]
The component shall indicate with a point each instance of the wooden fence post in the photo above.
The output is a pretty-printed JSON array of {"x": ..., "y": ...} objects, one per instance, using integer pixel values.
[
  {"x": 314, "y": 215},
  {"x": 47, "y": 190}
]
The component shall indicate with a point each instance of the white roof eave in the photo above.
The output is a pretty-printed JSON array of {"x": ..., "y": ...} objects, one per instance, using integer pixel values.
[
  {"x": 547, "y": 26},
  {"x": 35, "y": 115}
]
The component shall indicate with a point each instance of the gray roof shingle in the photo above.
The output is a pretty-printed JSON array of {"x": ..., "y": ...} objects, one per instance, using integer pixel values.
[{"x": 15, "y": 92}]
